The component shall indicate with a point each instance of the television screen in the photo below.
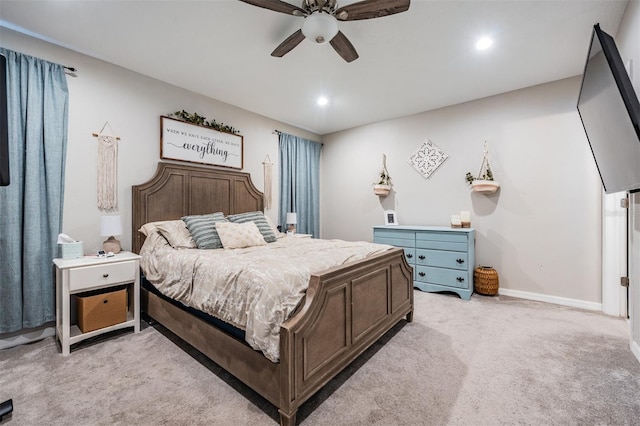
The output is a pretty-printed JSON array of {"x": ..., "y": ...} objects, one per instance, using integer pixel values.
[{"x": 610, "y": 113}]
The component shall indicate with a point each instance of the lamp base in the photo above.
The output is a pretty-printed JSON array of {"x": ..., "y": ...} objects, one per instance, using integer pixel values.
[
  {"x": 111, "y": 245},
  {"x": 291, "y": 229}
]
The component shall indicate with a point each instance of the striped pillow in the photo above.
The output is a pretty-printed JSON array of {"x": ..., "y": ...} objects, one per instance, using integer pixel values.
[
  {"x": 260, "y": 221},
  {"x": 203, "y": 229}
]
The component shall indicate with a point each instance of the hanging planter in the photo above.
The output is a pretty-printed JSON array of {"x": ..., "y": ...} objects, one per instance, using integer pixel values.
[
  {"x": 484, "y": 183},
  {"x": 383, "y": 186}
]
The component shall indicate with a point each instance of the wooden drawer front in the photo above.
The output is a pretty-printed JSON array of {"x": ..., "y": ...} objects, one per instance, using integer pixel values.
[
  {"x": 398, "y": 242},
  {"x": 99, "y": 275},
  {"x": 441, "y": 245},
  {"x": 442, "y": 276},
  {"x": 442, "y": 259},
  {"x": 442, "y": 236},
  {"x": 394, "y": 233},
  {"x": 410, "y": 255}
]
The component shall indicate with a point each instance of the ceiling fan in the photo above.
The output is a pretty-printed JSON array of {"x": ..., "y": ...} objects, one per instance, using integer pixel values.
[{"x": 321, "y": 21}]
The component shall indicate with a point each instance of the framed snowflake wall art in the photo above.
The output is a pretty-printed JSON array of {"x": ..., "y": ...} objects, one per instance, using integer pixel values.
[{"x": 428, "y": 158}]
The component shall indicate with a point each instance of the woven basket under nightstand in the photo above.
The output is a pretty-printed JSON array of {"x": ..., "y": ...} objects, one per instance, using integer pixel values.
[{"x": 485, "y": 280}]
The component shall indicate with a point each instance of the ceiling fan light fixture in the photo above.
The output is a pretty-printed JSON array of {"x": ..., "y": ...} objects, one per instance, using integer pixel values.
[{"x": 320, "y": 27}]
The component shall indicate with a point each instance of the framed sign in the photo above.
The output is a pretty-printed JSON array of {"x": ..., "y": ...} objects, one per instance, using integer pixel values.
[
  {"x": 390, "y": 217},
  {"x": 189, "y": 142}
]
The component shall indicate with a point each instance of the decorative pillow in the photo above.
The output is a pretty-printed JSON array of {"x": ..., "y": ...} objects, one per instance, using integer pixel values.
[
  {"x": 176, "y": 234},
  {"x": 274, "y": 228},
  {"x": 259, "y": 219},
  {"x": 239, "y": 235},
  {"x": 203, "y": 229},
  {"x": 150, "y": 227}
]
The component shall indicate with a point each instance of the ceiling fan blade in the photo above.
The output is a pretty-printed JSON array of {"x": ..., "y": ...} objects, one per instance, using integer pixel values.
[
  {"x": 368, "y": 9},
  {"x": 343, "y": 46},
  {"x": 285, "y": 47},
  {"x": 277, "y": 6}
]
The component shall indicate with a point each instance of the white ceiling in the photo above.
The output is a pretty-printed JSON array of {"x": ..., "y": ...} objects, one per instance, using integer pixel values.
[{"x": 411, "y": 62}]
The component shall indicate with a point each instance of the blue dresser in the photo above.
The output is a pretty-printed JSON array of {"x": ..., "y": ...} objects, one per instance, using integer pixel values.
[{"x": 442, "y": 258}]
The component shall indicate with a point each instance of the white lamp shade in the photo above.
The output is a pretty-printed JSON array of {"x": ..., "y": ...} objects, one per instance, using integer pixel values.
[
  {"x": 292, "y": 218},
  {"x": 110, "y": 226},
  {"x": 320, "y": 27}
]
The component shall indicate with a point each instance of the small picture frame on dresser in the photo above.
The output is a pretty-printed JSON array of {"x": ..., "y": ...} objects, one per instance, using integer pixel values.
[{"x": 390, "y": 217}]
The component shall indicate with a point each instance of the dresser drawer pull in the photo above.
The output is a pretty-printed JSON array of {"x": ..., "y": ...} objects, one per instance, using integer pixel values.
[
  {"x": 105, "y": 275},
  {"x": 460, "y": 279},
  {"x": 409, "y": 256},
  {"x": 421, "y": 257},
  {"x": 422, "y": 274},
  {"x": 460, "y": 261}
]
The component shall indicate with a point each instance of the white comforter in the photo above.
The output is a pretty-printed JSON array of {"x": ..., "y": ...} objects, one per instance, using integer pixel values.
[{"x": 254, "y": 289}]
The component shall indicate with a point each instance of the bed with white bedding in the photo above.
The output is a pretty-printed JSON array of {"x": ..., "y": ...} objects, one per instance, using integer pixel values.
[{"x": 308, "y": 307}]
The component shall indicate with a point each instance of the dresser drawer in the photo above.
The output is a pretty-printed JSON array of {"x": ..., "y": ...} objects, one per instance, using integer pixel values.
[
  {"x": 442, "y": 245},
  {"x": 442, "y": 259},
  {"x": 442, "y": 276},
  {"x": 410, "y": 255},
  {"x": 398, "y": 242},
  {"x": 442, "y": 236},
  {"x": 100, "y": 275}
]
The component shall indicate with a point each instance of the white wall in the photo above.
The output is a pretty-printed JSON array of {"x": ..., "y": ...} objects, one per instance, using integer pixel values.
[
  {"x": 541, "y": 231},
  {"x": 628, "y": 41},
  {"x": 132, "y": 104}
]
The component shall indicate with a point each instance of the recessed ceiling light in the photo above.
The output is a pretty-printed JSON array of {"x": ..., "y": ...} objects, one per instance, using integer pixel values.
[
  {"x": 484, "y": 43},
  {"x": 322, "y": 101}
]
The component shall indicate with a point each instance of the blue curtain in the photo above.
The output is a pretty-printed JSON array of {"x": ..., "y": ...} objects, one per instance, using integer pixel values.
[
  {"x": 31, "y": 206},
  {"x": 300, "y": 183}
]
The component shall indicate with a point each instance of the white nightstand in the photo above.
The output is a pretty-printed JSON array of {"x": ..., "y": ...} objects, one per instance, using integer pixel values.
[{"x": 92, "y": 273}]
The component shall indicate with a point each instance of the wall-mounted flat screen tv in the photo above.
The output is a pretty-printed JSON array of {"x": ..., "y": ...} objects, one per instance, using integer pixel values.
[{"x": 610, "y": 113}]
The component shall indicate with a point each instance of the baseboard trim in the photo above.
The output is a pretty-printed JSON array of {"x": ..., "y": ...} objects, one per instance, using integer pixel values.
[
  {"x": 635, "y": 349},
  {"x": 22, "y": 338},
  {"x": 565, "y": 301}
]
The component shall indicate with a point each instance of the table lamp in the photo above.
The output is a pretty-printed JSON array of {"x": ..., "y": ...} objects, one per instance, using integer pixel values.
[
  {"x": 110, "y": 226},
  {"x": 292, "y": 220}
]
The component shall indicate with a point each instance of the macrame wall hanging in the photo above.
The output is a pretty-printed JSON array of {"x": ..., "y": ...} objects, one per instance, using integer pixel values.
[
  {"x": 107, "y": 170},
  {"x": 268, "y": 166}
]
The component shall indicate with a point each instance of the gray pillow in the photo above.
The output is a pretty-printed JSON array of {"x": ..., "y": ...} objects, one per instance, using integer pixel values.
[
  {"x": 203, "y": 229},
  {"x": 260, "y": 221}
]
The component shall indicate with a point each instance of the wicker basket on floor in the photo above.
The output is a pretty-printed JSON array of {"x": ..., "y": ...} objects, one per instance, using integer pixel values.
[{"x": 485, "y": 280}]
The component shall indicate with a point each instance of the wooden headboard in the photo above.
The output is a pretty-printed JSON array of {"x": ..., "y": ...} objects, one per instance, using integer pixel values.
[{"x": 178, "y": 190}]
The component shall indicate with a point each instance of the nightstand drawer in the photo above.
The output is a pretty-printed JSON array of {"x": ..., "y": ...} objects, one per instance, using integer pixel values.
[
  {"x": 442, "y": 259},
  {"x": 100, "y": 275}
]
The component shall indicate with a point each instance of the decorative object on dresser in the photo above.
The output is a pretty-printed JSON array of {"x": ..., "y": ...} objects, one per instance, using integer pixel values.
[
  {"x": 465, "y": 219},
  {"x": 383, "y": 186},
  {"x": 484, "y": 182},
  {"x": 390, "y": 217},
  {"x": 442, "y": 257},
  {"x": 485, "y": 280},
  {"x": 77, "y": 277},
  {"x": 110, "y": 226},
  {"x": 456, "y": 221}
]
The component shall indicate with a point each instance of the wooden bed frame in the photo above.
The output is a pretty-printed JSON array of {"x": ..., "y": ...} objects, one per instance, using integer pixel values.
[{"x": 346, "y": 309}]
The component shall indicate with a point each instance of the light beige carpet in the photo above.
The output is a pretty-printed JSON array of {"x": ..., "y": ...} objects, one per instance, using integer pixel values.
[{"x": 487, "y": 361}]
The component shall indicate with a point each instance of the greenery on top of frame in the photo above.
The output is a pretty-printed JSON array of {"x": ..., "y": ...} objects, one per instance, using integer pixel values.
[{"x": 195, "y": 118}]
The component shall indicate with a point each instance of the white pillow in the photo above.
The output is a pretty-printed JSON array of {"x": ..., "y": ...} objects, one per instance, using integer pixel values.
[
  {"x": 150, "y": 227},
  {"x": 177, "y": 234},
  {"x": 239, "y": 235}
]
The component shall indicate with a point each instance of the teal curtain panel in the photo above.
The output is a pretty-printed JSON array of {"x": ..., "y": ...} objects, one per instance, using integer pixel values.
[
  {"x": 31, "y": 206},
  {"x": 300, "y": 183}
]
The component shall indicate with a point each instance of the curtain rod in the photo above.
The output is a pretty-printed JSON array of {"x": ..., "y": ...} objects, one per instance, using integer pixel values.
[{"x": 72, "y": 69}]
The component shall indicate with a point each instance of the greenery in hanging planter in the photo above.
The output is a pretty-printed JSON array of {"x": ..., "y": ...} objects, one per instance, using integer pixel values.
[
  {"x": 195, "y": 118},
  {"x": 384, "y": 179},
  {"x": 487, "y": 175}
]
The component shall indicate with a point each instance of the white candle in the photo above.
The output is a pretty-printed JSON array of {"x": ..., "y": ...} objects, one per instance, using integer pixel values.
[
  {"x": 465, "y": 216},
  {"x": 455, "y": 220}
]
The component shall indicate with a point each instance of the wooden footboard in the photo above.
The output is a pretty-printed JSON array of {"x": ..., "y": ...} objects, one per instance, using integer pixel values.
[{"x": 346, "y": 310}]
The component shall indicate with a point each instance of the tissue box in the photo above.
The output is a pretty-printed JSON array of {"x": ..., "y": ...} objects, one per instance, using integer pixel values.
[{"x": 71, "y": 250}]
